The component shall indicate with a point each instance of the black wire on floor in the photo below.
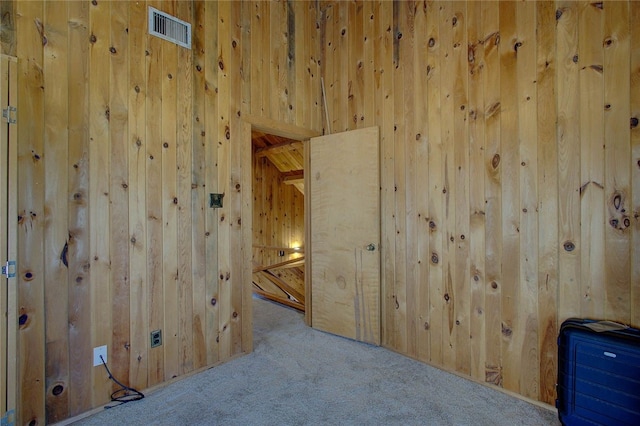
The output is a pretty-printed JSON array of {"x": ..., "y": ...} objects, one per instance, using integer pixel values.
[{"x": 124, "y": 394}]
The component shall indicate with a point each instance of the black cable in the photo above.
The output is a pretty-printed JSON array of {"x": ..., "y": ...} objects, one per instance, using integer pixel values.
[{"x": 135, "y": 395}]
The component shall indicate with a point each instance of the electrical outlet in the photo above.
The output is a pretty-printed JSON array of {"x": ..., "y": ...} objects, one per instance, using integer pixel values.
[
  {"x": 156, "y": 338},
  {"x": 97, "y": 352}
]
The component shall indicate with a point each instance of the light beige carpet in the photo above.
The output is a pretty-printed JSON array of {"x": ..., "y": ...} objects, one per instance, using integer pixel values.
[{"x": 300, "y": 376}]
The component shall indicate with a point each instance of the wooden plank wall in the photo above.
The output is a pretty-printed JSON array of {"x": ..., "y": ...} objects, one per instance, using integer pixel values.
[
  {"x": 510, "y": 174},
  {"x": 124, "y": 137},
  {"x": 278, "y": 214},
  {"x": 509, "y": 146}
]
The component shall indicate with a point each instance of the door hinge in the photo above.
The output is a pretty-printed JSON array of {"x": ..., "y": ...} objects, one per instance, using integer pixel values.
[
  {"x": 9, "y": 419},
  {"x": 10, "y": 114},
  {"x": 9, "y": 269}
]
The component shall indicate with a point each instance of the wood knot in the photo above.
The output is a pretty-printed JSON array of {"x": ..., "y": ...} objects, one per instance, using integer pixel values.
[
  {"x": 494, "y": 285},
  {"x": 28, "y": 276},
  {"x": 446, "y": 297},
  {"x": 137, "y": 89},
  {"x": 92, "y": 38},
  {"x": 454, "y": 21},
  {"x": 434, "y": 258},
  {"x": 213, "y": 301},
  {"x": 575, "y": 58},
  {"x": 426, "y": 326},
  {"x": 221, "y": 64},
  {"x": 57, "y": 390},
  {"x": 227, "y": 132},
  {"x": 517, "y": 46},
  {"x": 235, "y": 315},
  {"x": 113, "y": 50},
  {"x": 569, "y": 246},
  {"x": 506, "y": 330},
  {"x": 495, "y": 161},
  {"x": 170, "y": 76},
  {"x": 432, "y": 224},
  {"x": 165, "y": 145},
  {"x": 175, "y": 200},
  {"x": 432, "y": 42},
  {"x": 634, "y": 122},
  {"x": 559, "y": 13},
  {"x": 22, "y": 320}
]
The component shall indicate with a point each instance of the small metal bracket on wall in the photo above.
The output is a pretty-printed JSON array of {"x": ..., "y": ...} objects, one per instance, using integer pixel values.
[
  {"x": 9, "y": 270},
  {"x": 9, "y": 114},
  {"x": 215, "y": 201}
]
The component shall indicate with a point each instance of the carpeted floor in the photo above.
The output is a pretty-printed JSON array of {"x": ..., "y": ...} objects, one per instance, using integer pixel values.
[{"x": 300, "y": 376}]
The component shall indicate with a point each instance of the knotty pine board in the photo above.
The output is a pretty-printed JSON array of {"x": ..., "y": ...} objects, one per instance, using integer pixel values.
[
  {"x": 56, "y": 151},
  {"x": 556, "y": 245}
]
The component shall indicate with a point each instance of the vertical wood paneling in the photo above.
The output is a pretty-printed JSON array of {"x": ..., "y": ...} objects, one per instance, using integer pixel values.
[
  {"x": 223, "y": 178},
  {"x": 460, "y": 195},
  {"x": 137, "y": 141},
  {"x": 590, "y": 56},
  {"x": 547, "y": 200},
  {"x": 448, "y": 82},
  {"x": 154, "y": 201},
  {"x": 434, "y": 76},
  {"x": 184, "y": 131},
  {"x": 198, "y": 194},
  {"x": 568, "y": 137},
  {"x": 237, "y": 148},
  {"x": 400, "y": 123},
  {"x": 528, "y": 181},
  {"x": 617, "y": 186},
  {"x": 421, "y": 182},
  {"x": 510, "y": 177},
  {"x": 56, "y": 152},
  {"x": 493, "y": 194},
  {"x": 169, "y": 202},
  {"x": 78, "y": 253},
  {"x": 118, "y": 191},
  {"x": 492, "y": 117},
  {"x": 31, "y": 177},
  {"x": 476, "y": 275},
  {"x": 384, "y": 51},
  {"x": 99, "y": 206},
  {"x": 211, "y": 178},
  {"x": 635, "y": 161}
]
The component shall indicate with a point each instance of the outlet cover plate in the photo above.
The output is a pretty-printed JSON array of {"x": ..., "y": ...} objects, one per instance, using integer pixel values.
[
  {"x": 97, "y": 351},
  {"x": 156, "y": 338}
]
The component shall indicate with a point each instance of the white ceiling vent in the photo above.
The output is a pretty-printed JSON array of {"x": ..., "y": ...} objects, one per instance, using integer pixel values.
[{"x": 169, "y": 28}]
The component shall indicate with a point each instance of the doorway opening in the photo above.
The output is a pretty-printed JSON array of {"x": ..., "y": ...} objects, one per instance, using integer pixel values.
[
  {"x": 278, "y": 219},
  {"x": 287, "y": 141}
]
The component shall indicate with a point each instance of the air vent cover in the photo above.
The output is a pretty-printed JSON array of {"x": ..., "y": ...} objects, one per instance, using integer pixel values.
[{"x": 169, "y": 28}]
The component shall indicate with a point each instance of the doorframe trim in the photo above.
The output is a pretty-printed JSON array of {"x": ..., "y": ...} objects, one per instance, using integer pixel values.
[
  {"x": 249, "y": 123},
  {"x": 10, "y": 387}
]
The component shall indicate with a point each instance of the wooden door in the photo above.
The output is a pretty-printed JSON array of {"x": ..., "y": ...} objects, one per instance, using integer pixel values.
[
  {"x": 8, "y": 211},
  {"x": 342, "y": 180}
]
